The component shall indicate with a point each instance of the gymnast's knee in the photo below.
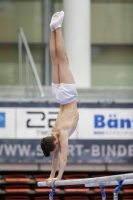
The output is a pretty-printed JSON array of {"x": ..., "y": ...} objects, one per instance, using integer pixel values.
[
  {"x": 62, "y": 57},
  {"x": 55, "y": 61}
]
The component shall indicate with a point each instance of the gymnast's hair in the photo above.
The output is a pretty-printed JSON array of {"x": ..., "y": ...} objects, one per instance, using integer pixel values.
[{"x": 47, "y": 145}]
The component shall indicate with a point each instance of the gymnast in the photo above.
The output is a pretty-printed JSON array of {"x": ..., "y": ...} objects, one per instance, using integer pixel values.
[{"x": 64, "y": 92}]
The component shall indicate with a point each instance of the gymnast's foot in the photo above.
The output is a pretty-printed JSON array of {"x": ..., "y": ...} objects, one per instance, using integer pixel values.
[{"x": 56, "y": 21}]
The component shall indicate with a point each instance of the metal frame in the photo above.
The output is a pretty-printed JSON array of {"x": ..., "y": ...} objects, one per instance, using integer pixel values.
[
  {"x": 120, "y": 180},
  {"x": 29, "y": 60},
  {"x": 46, "y": 38}
]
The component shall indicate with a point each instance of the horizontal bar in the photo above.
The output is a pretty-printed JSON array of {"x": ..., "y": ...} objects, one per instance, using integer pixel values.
[
  {"x": 15, "y": 44},
  {"x": 43, "y": 44},
  {"x": 110, "y": 183},
  {"x": 84, "y": 181}
]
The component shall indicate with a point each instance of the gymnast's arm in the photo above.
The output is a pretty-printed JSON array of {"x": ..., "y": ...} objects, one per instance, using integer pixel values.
[
  {"x": 63, "y": 138},
  {"x": 55, "y": 162}
]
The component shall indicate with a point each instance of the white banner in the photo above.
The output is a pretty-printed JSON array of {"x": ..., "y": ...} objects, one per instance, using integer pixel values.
[
  {"x": 35, "y": 123},
  {"x": 7, "y": 123},
  {"x": 105, "y": 123}
]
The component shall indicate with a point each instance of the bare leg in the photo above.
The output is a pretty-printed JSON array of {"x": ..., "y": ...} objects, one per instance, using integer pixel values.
[
  {"x": 65, "y": 74},
  {"x": 54, "y": 58}
]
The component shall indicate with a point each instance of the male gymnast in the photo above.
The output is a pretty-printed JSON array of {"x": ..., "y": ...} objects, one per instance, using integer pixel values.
[{"x": 64, "y": 92}]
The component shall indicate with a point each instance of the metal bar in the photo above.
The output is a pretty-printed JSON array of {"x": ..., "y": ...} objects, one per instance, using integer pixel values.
[
  {"x": 103, "y": 192},
  {"x": 47, "y": 16},
  {"x": 115, "y": 196},
  {"x": 20, "y": 58},
  {"x": 99, "y": 180},
  {"x": 52, "y": 193},
  {"x": 15, "y": 44},
  {"x": 31, "y": 62},
  {"x": 34, "y": 87},
  {"x": 27, "y": 76},
  {"x": 117, "y": 189},
  {"x": 110, "y": 183}
]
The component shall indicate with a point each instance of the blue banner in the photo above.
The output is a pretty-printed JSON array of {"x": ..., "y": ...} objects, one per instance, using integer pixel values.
[{"x": 79, "y": 151}]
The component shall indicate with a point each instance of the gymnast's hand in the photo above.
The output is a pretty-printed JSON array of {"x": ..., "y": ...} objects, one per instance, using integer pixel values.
[{"x": 50, "y": 181}]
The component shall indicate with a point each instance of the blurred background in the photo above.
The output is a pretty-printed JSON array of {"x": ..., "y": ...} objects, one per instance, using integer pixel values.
[{"x": 99, "y": 40}]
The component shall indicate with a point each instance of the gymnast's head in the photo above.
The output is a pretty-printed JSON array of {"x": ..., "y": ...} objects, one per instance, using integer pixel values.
[{"x": 49, "y": 144}]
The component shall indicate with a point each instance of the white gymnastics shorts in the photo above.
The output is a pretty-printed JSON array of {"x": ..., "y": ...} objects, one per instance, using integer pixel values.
[{"x": 64, "y": 93}]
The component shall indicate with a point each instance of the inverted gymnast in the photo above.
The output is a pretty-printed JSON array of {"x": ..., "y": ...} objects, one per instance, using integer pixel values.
[{"x": 64, "y": 92}]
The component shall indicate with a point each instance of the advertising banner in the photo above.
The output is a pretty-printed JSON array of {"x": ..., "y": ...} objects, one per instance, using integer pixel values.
[
  {"x": 79, "y": 151},
  {"x": 36, "y": 121},
  {"x": 7, "y": 123},
  {"x": 104, "y": 123}
]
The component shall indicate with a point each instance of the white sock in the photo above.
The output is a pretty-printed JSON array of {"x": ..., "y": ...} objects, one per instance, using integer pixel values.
[
  {"x": 56, "y": 21},
  {"x": 53, "y": 19}
]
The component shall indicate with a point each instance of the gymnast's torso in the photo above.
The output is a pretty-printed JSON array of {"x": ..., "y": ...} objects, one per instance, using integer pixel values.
[{"x": 67, "y": 119}]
